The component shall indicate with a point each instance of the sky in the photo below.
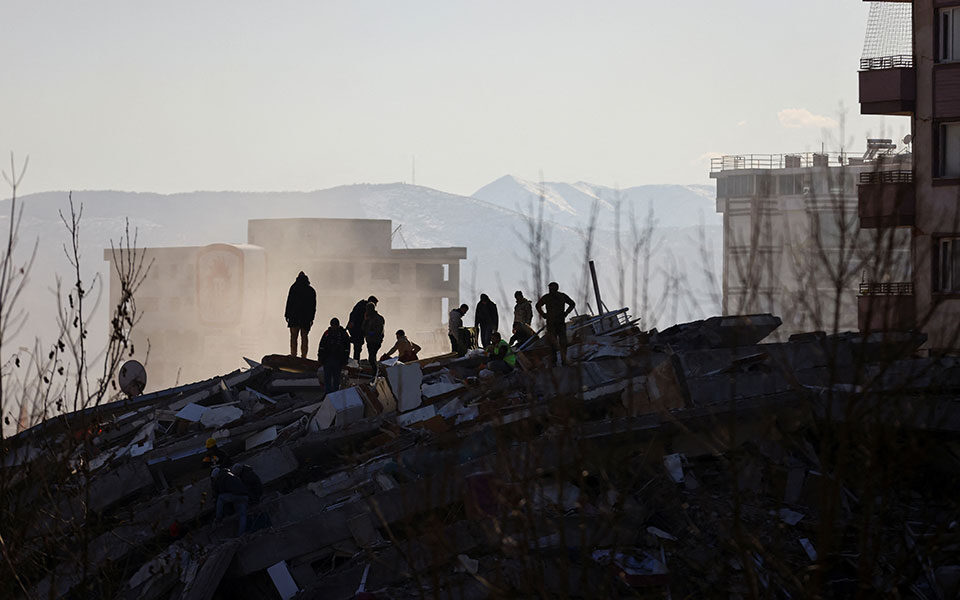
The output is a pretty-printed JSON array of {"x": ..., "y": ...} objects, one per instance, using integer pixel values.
[{"x": 180, "y": 96}]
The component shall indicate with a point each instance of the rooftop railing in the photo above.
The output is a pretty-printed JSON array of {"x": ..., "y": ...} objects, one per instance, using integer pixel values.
[
  {"x": 886, "y": 288},
  {"x": 733, "y": 162},
  {"x": 900, "y": 61},
  {"x": 877, "y": 177}
]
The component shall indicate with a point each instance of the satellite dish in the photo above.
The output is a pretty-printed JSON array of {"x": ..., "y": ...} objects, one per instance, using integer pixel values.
[
  {"x": 132, "y": 378},
  {"x": 907, "y": 139}
]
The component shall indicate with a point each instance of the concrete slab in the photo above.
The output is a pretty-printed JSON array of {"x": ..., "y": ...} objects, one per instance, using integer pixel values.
[{"x": 405, "y": 382}]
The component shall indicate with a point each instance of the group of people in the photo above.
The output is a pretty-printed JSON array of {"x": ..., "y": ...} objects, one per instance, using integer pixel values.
[
  {"x": 553, "y": 307},
  {"x": 365, "y": 327}
]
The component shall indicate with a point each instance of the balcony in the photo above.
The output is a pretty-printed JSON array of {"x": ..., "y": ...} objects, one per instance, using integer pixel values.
[
  {"x": 886, "y": 307},
  {"x": 888, "y": 85},
  {"x": 886, "y": 199}
]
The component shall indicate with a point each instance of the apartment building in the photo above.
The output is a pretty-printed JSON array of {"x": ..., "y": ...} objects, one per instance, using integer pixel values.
[
  {"x": 918, "y": 76},
  {"x": 792, "y": 244}
]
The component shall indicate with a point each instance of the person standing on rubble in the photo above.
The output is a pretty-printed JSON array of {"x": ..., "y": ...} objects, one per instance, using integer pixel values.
[
  {"x": 229, "y": 489},
  {"x": 486, "y": 319},
  {"x": 558, "y": 305},
  {"x": 523, "y": 311},
  {"x": 300, "y": 311},
  {"x": 333, "y": 352},
  {"x": 355, "y": 327},
  {"x": 407, "y": 349},
  {"x": 373, "y": 333},
  {"x": 456, "y": 331}
]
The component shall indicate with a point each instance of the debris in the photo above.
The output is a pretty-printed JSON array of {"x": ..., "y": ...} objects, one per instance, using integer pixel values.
[
  {"x": 674, "y": 465},
  {"x": 264, "y": 437},
  {"x": 469, "y": 565},
  {"x": 220, "y": 416},
  {"x": 338, "y": 408},
  {"x": 433, "y": 474},
  {"x": 191, "y": 412},
  {"x": 790, "y": 517},
  {"x": 405, "y": 382},
  {"x": 808, "y": 548},
  {"x": 660, "y": 533},
  {"x": 638, "y": 569},
  {"x": 282, "y": 580}
]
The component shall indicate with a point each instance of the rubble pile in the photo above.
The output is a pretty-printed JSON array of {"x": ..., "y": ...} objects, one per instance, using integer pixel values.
[{"x": 691, "y": 462}]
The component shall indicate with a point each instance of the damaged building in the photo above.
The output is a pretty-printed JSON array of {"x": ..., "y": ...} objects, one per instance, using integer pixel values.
[
  {"x": 202, "y": 307},
  {"x": 690, "y": 462}
]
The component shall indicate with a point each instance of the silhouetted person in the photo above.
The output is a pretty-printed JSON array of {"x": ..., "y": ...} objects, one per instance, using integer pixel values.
[
  {"x": 300, "y": 311},
  {"x": 333, "y": 352},
  {"x": 407, "y": 349},
  {"x": 355, "y": 327},
  {"x": 373, "y": 333},
  {"x": 523, "y": 310},
  {"x": 229, "y": 489},
  {"x": 521, "y": 333},
  {"x": 486, "y": 319},
  {"x": 456, "y": 330},
  {"x": 558, "y": 305}
]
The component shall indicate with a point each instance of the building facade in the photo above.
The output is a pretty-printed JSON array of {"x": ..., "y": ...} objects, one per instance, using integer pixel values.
[
  {"x": 921, "y": 82},
  {"x": 792, "y": 244},
  {"x": 204, "y": 308}
]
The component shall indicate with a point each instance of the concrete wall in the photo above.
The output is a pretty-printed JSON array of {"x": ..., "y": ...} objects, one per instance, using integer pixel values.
[{"x": 938, "y": 200}]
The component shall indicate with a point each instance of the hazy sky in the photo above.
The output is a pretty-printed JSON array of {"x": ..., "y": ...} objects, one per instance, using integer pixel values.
[{"x": 179, "y": 96}]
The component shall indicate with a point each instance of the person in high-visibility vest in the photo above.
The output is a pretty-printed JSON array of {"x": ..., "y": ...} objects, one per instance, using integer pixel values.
[{"x": 502, "y": 359}]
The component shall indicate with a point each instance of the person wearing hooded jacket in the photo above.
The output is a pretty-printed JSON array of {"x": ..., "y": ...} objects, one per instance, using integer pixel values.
[
  {"x": 230, "y": 489},
  {"x": 300, "y": 311},
  {"x": 332, "y": 353},
  {"x": 355, "y": 326},
  {"x": 373, "y": 324},
  {"x": 486, "y": 319},
  {"x": 523, "y": 311}
]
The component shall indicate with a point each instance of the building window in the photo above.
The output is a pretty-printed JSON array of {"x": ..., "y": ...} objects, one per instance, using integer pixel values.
[
  {"x": 949, "y": 154},
  {"x": 949, "y": 34},
  {"x": 385, "y": 272},
  {"x": 736, "y": 186},
  {"x": 446, "y": 272},
  {"x": 947, "y": 265},
  {"x": 790, "y": 185}
]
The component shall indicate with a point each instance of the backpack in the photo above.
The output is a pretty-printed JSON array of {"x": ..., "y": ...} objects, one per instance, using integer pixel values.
[{"x": 250, "y": 479}]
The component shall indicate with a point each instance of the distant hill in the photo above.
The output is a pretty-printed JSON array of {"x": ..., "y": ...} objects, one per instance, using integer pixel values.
[
  {"x": 492, "y": 225},
  {"x": 571, "y": 204}
]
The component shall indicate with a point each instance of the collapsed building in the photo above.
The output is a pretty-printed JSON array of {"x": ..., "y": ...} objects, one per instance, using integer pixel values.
[
  {"x": 690, "y": 462},
  {"x": 202, "y": 307}
]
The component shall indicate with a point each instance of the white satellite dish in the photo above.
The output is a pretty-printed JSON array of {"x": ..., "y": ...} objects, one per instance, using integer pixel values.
[
  {"x": 907, "y": 139},
  {"x": 132, "y": 378}
]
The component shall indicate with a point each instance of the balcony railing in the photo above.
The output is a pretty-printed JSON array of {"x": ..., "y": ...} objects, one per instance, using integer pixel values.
[
  {"x": 877, "y": 177},
  {"x": 887, "y": 288},
  {"x": 901, "y": 61}
]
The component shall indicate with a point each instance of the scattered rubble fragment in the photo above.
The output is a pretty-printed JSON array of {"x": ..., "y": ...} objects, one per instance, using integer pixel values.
[{"x": 693, "y": 462}]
